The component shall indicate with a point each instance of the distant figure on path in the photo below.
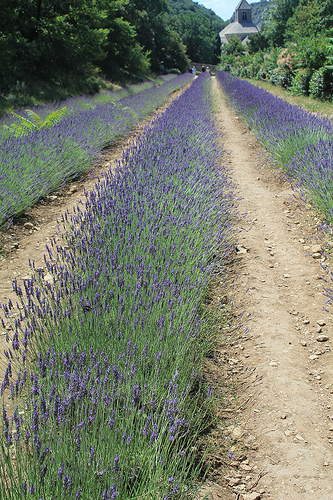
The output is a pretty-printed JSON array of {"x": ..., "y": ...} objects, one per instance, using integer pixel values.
[{"x": 203, "y": 69}]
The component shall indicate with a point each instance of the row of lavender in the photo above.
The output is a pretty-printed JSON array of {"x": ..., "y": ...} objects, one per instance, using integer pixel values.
[
  {"x": 37, "y": 163},
  {"x": 300, "y": 141},
  {"x": 109, "y": 402},
  {"x": 75, "y": 105}
]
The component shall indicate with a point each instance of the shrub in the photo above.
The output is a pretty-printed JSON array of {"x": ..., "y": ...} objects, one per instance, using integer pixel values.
[
  {"x": 321, "y": 84},
  {"x": 300, "y": 82},
  {"x": 173, "y": 71},
  {"x": 262, "y": 74},
  {"x": 282, "y": 76}
]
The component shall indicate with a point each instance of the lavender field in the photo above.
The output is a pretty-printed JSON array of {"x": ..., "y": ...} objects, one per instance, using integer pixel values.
[
  {"x": 300, "y": 142},
  {"x": 104, "y": 364},
  {"x": 103, "y": 394},
  {"x": 75, "y": 105},
  {"x": 41, "y": 161}
]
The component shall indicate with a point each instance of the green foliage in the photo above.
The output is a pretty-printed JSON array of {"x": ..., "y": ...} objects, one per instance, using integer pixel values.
[
  {"x": 50, "y": 50},
  {"x": 155, "y": 34},
  {"x": 300, "y": 82},
  {"x": 231, "y": 53},
  {"x": 329, "y": 57},
  {"x": 311, "y": 18},
  {"x": 275, "y": 21},
  {"x": 35, "y": 122},
  {"x": 321, "y": 84},
  {"x": 199, "y": 34},
  {"x": 258, "y": 41},
  {"x": 299, "y": 53},
  {"x": 304, "y": 22},
  {"x": 234, "y": 47},
  {"x": 281, "y": 76},
  {"x": 296, "y": 20},
  {"x": 188, "y": 8},
  {"x": 312, "y": 52},
  {"x": 50, "y": 39}
]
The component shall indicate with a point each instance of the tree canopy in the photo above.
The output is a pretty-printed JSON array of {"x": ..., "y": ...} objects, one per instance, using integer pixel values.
[{"x": 66, "y": 43}]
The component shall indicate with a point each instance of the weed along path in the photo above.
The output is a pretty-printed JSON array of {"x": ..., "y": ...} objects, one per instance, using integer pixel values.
[{"x": 285, "y": 350}]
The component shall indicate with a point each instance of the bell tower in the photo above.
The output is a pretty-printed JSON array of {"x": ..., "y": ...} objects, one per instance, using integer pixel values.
[{"x": 243, "y": 12}]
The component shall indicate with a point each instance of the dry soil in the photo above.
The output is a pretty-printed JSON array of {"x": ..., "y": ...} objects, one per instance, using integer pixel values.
[{"x": 280, "y": 439}]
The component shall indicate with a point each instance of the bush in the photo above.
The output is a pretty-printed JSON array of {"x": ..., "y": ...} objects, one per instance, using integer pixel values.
[
  {"x": 262, "y": 74},
  {"x": 300, "y": 82},
  {"x": 282, "y": 76},
  {"x": 321, "y": 84}
]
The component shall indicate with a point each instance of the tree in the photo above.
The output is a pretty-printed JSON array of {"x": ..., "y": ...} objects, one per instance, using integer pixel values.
[
  {"x": 312, "y": 18},
  {"x": 258, "y": 42},
  {"x": 198, "y": 35},
  {"x": 50, "y": 39},
  {"x": 233, "y": 48},
  {"x": 123, "y": 49},
  {"x": 155, "y": 34},
  {"x": 275, "y": 21},
  {"x": 312, "y": 52}
]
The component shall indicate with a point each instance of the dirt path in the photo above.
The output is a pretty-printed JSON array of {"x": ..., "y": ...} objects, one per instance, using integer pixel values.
[
  {"x": 283, "y": 372},
  {"x": 289, "y": 419}
]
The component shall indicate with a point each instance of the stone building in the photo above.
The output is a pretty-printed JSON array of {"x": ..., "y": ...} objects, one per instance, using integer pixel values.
[{"x": 242, "y": 27}]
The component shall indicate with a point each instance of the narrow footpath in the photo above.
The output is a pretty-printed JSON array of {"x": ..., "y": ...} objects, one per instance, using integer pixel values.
[{"x": 284, "y": 361}]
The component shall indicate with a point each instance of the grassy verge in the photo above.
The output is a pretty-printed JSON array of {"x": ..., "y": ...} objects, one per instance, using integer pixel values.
[
  {"x": 42, "y": 93},
  {"x": 77, "y": 104},
  {"x": 307, "y": 103},
  {"x": 109, "y": 400}
]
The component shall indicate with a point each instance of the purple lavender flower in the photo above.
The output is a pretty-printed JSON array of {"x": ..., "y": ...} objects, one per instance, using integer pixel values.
[{"x": 119, "y": 325}]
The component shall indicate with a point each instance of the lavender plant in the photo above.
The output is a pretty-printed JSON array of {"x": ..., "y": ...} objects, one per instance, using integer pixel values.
[
  {"x": 108, "y": 401},
  {"x": 300, "y": 141},
  {"x": 35, "y": 164},
  {"x": 75, "y": 105}
]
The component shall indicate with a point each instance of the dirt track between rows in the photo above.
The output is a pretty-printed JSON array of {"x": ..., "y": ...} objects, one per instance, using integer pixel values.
[
  {"x": 282, "y": 371},
  {"x": 280, "y": 442}
]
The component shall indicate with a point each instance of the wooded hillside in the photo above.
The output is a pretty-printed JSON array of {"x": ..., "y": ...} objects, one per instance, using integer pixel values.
[{"x": 49, "y": 47}]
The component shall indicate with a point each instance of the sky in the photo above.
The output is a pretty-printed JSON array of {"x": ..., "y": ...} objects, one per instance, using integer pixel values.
[{"x": 223, "y": 8}]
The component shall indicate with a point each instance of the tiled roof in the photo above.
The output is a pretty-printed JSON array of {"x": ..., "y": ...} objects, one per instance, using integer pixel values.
[{"x": 235, "y": 28}]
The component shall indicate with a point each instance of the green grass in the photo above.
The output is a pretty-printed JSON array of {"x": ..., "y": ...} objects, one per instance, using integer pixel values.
[{"x": 307, "y": 103}]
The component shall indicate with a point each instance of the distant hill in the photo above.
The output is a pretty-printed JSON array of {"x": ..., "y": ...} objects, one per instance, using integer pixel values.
[
  {"x": 198, "y": 28},
  {"x": 258, "y": 9},
  {"x": 187, "y": 6}
]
